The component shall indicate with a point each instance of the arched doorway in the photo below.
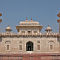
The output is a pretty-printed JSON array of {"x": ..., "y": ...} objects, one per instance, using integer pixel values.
[{"x": 29, "y": 46}]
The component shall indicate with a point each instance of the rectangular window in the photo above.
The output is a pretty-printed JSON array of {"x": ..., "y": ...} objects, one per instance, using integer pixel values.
[
  {"x": 38, "y": 41},
  {"x": 38, "y": 47},
  {"x": 7, "y": 47},
  {"x": 20, "y": 47},
  {"x": 51, "y": 47}
]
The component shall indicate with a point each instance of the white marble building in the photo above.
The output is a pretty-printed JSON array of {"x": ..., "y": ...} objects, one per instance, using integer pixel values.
[{"x": 29, "y": 39}]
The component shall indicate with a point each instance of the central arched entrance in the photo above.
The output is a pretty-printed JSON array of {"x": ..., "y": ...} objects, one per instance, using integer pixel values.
[{"x": 29, "y": 46}]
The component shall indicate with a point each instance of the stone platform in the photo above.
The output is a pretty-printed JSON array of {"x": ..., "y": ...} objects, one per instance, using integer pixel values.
[{"x": 44, "y": 56}]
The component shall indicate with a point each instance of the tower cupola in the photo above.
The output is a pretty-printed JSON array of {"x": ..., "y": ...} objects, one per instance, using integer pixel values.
[
  {"x": 48, "y": 29},
  {"x": 8, "y": 29}
]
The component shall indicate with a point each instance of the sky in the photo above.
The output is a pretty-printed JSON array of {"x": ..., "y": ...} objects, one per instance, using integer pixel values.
[{"x": 43, "y": 11}]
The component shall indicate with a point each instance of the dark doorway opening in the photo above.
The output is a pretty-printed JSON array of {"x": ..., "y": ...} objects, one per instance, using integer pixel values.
[{"x": 29, "y": 46}]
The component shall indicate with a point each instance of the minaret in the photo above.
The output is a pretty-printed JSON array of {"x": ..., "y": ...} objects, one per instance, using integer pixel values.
[
  {"x": 59, "y": 20},
  {"x": 59, "y": 28}
]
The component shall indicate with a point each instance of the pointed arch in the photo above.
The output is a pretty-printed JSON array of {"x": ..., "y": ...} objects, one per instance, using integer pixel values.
[{"x": 29, "y": 46}]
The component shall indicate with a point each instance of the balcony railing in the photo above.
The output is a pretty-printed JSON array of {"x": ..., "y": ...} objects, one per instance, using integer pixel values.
[{"x": 31, "y": 34}]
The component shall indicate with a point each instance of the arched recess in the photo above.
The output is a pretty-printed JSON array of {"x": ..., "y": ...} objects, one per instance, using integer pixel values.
[{"x": 29, "y": 46}]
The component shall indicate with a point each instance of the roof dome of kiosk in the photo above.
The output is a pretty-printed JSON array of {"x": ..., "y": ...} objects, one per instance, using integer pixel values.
[
  {"x": 48, "y": 28},
  {"x": 29, "y": 24},
  {"x": 8, "y": 28}
]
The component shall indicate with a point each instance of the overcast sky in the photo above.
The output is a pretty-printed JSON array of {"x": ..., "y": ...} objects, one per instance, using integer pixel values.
[{"x": 43, "y": 11}]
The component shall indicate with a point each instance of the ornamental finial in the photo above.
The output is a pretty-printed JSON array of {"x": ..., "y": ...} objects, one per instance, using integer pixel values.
[{"x": 26, "y": 19}]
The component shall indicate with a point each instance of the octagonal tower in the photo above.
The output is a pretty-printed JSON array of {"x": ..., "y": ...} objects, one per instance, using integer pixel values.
[{"x": 59, "y": 20}]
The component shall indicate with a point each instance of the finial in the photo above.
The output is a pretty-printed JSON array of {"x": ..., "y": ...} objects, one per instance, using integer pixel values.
[
  {"x": 48, "y": 25},
  {"x": 0, "y": 14},
  {"x": 31, "y": 18},
  {"x": 58, "y": 14},
  {"x": 59, "y": 17},
  {"x": 26, "y": 19},
  {"x": 59, "y": 11},
  {"x": 0, "y": 18}
]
